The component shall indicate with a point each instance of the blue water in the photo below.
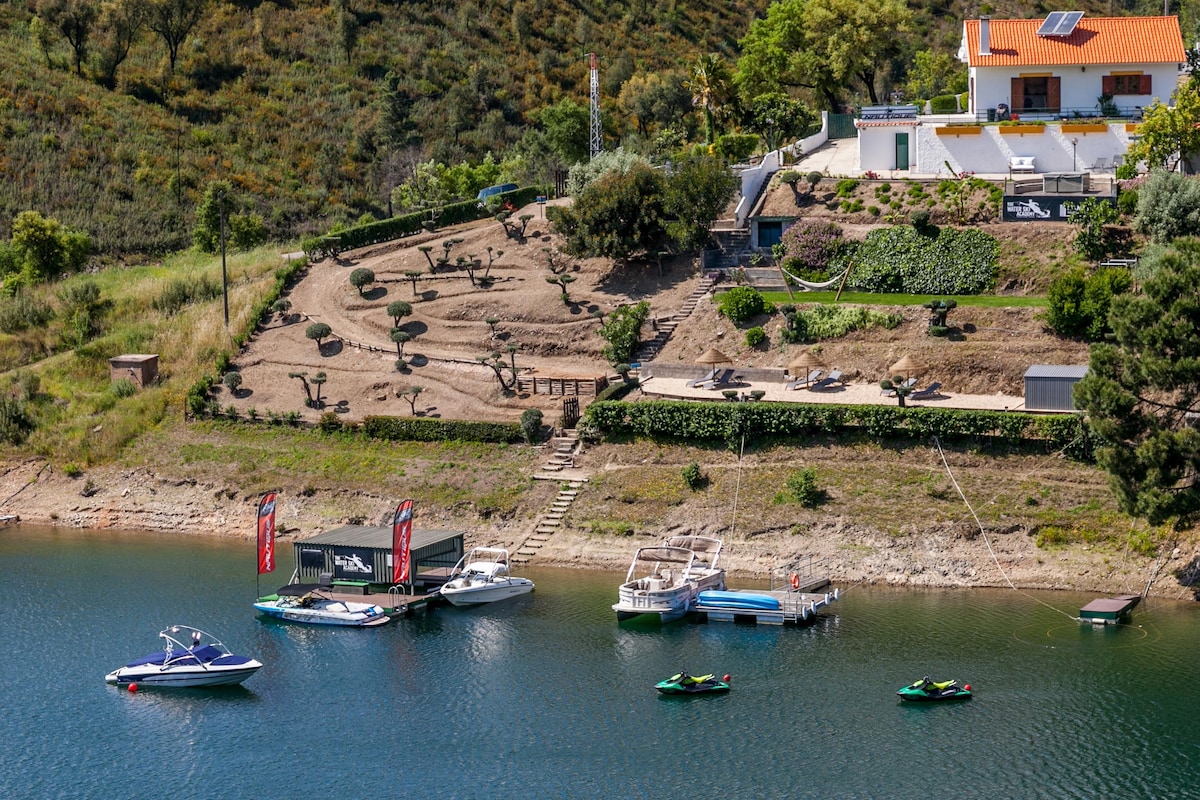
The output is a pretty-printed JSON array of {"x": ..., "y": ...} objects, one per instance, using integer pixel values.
[{"x": 546, "y": 696}]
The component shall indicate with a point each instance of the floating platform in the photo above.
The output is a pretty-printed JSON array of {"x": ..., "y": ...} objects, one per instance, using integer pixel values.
[
  {"x": 1109, "y": 610},
  {"x": 761, "y": 606}
]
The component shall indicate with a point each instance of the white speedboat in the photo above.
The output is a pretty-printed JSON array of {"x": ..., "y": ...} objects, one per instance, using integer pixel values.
[
  {"x": 663, "y": 580},
  {"x": 307, "y": 604},
  {"x": 190, "y": 658},
  {"x": 482, "y": 576}
]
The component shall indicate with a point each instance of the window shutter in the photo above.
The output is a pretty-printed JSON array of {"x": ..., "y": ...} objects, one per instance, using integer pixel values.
[
  {"x": 1018, "y": 94},
  {"x": 1145, "y": 85},
  {"x": 1054, "y": 94},
  {"x": 1108, "y": 85}
]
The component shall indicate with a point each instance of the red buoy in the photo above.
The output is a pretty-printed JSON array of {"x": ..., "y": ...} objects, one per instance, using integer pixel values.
[
  {"x": 133, "y": 687},
  {"x": 727, "y": 679},
  {"x": 967, "y": 687}
]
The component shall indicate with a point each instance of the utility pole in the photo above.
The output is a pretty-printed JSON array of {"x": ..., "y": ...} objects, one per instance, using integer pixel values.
[{"x": 595, "y": 142}]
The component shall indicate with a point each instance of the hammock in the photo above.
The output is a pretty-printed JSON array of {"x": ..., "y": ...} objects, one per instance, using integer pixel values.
[{"x": 809, "y": 286}]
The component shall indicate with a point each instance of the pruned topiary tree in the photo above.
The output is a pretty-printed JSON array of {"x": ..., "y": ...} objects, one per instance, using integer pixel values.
[
  {"x": 361, "y": 277},
  {"x": 318, "y": 331}
]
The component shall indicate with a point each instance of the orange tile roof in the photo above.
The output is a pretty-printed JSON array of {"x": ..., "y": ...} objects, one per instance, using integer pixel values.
[{"x": 1096, "y": 40}]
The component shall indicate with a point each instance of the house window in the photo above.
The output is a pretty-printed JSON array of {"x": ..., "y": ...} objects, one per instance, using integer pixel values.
[
  {"x": 1126, "y": 84},
  {"x": 1036, "y": 94}
]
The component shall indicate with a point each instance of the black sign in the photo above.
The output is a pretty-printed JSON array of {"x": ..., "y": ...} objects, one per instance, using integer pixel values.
[
  {"x": 1042, "y": 208},
  {"x": 311, "y": 558},
  {"x": 354, "y": 563}
]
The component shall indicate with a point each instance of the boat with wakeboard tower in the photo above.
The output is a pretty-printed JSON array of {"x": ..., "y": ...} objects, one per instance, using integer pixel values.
[
  {"x": 926, "y": 690},
  {"x": 190, "y": 658},
  {"x": 310, "y": 604},
  {"x": 664, "y": 580},
  {"x": 483, "y": 576}
]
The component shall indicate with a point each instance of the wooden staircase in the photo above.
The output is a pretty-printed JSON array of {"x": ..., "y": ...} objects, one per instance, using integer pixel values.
[
  {"x": 563, "y": 450},
  {"x": 648, "y": 350}
]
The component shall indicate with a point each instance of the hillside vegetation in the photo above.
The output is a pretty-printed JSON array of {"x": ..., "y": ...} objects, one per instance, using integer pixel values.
[{"x": 315, "y": 112}]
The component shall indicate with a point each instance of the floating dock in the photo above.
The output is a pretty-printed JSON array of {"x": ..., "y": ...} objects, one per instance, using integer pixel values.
[
  {"x": 762, "y": 606},
  {"x": 1109, "y": 610}
]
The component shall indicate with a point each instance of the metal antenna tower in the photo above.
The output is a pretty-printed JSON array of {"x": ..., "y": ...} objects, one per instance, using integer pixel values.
[{"x": 595, "y": 141}]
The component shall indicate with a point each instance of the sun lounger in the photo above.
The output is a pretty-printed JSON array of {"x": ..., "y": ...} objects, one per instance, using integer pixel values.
[
  {"x": 722, "y": 381},
  {"x": 932, "y": 390},
  {"x": 812, "y": 376},
  {"x": 711, "y": 374},
  {"x": 827, "y": 381}
]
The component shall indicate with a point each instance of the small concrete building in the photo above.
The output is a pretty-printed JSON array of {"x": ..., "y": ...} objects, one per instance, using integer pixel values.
[
  {"x": 1051, "y": 387},
  {"x": 140, "y": 370}
]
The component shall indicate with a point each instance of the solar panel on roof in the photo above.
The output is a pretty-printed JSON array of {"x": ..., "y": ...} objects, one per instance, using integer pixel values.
[
  {"x": 1060, "y": 23},
  {"x": 1051, "y": 23}
]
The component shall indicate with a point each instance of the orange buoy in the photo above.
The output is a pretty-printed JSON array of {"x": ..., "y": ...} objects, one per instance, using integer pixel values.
[
  {"x": 133, "y": 687},
  {"x": 795, "y": 580}
]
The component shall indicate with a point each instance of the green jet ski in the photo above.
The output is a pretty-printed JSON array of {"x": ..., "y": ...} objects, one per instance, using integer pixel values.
[
  {"x": 682, "y": 683},
  {"x": 926, "y": 690}
]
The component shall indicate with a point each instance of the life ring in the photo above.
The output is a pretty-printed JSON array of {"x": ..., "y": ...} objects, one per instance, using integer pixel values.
[{"x": 794, "y": 580}]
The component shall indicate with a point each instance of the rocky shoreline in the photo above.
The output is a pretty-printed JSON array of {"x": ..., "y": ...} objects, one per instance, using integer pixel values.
[{"x": 141, "y": 500}]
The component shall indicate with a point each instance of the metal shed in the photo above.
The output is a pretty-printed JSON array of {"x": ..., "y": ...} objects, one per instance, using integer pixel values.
[
  {"x": 1051, "y": 387},
  {"x": 362, "y": 553}
]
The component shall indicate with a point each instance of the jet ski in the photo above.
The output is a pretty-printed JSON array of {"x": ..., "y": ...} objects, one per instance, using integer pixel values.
[
  {"x": 682, "y": 683},
  {"x": 925, "y": 690}
]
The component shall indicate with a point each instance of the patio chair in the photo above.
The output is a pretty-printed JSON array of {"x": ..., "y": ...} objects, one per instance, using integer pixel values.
[
  {"x": 812, "y": 376},
  {"x": 932, "y": 390},
  {"x": 712, "y": 373},
  {"x": 827, "y": 381},
  {"x": 1101, "y": 165}
]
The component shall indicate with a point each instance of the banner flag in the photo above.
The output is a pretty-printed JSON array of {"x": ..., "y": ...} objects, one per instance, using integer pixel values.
[
  {"x": 266, "y": 534},
  {"x": 401, "y": 541}
]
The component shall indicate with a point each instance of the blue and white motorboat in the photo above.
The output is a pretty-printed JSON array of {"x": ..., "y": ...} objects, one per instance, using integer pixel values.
[
  {"x": 307, "y": 604},
  {"x": 190, "y": 658}
]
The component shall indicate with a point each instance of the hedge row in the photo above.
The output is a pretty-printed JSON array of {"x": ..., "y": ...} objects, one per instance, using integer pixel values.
[
  {"x": 398, "y": 227},
  {"x": 674, "y": 419},
  {"x": 410, "y": 429}
]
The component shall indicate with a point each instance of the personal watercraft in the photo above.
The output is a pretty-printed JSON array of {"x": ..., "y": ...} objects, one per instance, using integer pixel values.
[
  {"x": 682, "y": 683},
  {"x": 925, "y": 689}
]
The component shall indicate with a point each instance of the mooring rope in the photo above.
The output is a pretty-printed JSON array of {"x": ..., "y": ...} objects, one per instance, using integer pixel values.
[{"x": 988, "y": 542}]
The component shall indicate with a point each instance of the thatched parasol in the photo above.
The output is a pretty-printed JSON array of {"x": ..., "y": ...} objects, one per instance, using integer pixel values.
[
  {"x": 908, "y": 366},
  {"x": 713, "y": 356},
  {"x": 805, "y": 361}
]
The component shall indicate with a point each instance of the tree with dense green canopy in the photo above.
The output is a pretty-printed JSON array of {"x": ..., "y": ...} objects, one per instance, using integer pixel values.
[
  {"x": 567, "y": 126},
  {"x": 1142, "y": 393},
  {"x": 823, "y": 46},
  {"x": 42, "y": 249},
  {"x": 1169, "y": 133},
  {"x": 778, "y": 118}
]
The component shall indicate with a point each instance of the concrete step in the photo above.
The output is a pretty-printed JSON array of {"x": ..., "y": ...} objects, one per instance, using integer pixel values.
[{"x": 537, "y": 538}]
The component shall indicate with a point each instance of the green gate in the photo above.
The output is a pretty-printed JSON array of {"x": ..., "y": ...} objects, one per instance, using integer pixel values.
[{"x": 841, "y": 126}]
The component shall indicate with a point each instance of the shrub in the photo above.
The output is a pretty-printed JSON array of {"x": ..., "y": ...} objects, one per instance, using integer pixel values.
[
  {"x": 899, "y": 259},
  {"x": 736, "y": 146},
  {"x": 755, "y": 336},
  {"x": 329, "y": 422},
  {"x": 531, "y": 425},
  {"x": 808, "y": 247},
  {"x": 622, "y": 330},
  {"x": 1169, "y": 206},
  {"x": 1078, "y": 305},
  {"x": 845, "y": 187},
  {"x": 802, "y": 486},
  {"x": 944, "y": 104},
  {"x": 1127, "y": 202},
  {"x": 741, "y": 303},
  {"x": 693, "y": 477},
  {"x": 22, "y": 311},
  {"x": 232, "y": 381}
]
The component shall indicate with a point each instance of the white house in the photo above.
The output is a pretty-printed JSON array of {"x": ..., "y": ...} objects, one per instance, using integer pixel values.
[
  {"x": 1069, "y": 65},
  {"x": 1067, "y": 70}
]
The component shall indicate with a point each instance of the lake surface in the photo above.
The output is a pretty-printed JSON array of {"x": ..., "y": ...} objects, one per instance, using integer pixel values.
[{"x": 545, "y": 696}]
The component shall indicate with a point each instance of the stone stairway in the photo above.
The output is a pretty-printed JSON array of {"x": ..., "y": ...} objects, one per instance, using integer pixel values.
[
  {"x": 548, "y": 523},
  {"x": 649, "y": 349},
  {"x": 563, "y": 450}
]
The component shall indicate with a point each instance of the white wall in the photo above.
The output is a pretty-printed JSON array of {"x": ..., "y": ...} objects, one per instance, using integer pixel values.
[
  {"x": 1080, "y": 89},
  {"x": 877, "y": 147},
  {"x": 989, "y": 151}
]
